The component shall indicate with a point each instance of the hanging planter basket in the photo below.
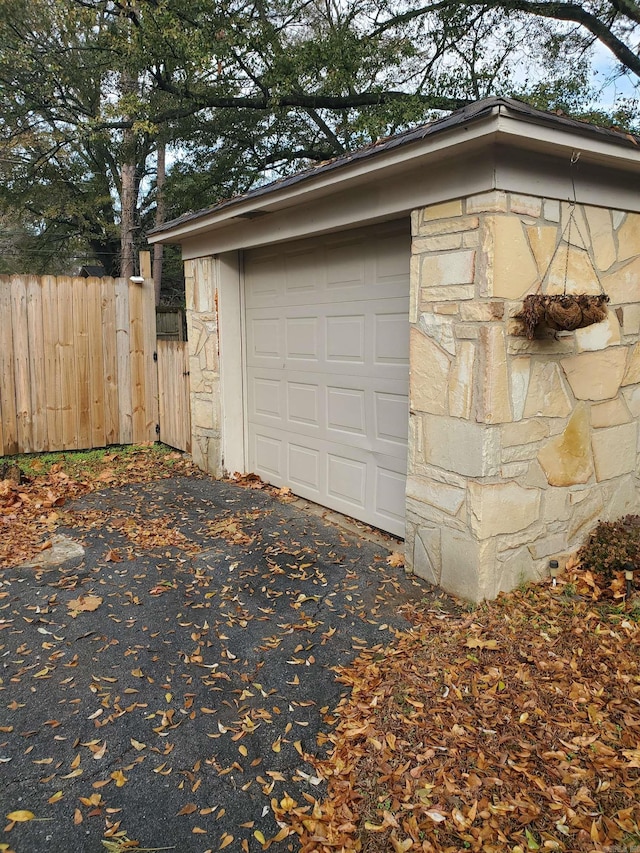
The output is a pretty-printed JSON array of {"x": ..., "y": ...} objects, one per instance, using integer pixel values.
[{"x": 561, "y": 312}]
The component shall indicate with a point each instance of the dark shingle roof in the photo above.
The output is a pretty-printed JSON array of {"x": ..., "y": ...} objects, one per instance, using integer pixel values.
[{"x": 472, "y": 112}]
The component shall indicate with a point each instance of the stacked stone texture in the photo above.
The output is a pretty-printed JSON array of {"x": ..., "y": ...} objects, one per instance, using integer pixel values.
[
  {"x": 517, "y": 447},
  {"x": 204, "y": 368}
]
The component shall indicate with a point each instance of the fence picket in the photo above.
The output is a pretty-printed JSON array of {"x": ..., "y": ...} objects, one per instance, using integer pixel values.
[
  {"x": 8, "y": 414},
  {"x": 123, "y": 374},
  {"x": 96, "y": 362},
  {"x": 67, "y": 377},
  {"x": 36, "y": 365},
  {"x": 109, "y": 361},
  {"x": 51, "y": 351},
  {"x": 81, "y": 362},
  {"x": 136, "y": 355},
  {"x": 21, "y": 361}
]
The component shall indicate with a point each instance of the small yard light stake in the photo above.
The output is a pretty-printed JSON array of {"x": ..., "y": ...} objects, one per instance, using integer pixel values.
[
  {"x": 553, "y": 571},
  {"x": 628, "y": 576}
]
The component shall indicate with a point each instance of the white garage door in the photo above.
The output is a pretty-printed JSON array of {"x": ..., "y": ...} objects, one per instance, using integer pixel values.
[{"x": 327, "y": 325}]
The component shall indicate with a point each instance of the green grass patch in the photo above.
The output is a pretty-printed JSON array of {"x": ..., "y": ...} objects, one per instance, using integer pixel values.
[{"x": 80, "y": 464}]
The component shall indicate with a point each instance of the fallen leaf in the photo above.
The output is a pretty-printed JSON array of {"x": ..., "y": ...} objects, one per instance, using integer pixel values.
[
  {"x": 84, "y": 604},
  {"x": 478, "y": 643},
  {"x": 119, "y": 778},
  {"x": 436, "y": 817},
  {"x": 113, "y": 556},
  {"x": 20, "y": 816}
]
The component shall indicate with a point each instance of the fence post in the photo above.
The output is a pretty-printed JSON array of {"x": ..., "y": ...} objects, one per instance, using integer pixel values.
[{"x": 149, "y": 337}]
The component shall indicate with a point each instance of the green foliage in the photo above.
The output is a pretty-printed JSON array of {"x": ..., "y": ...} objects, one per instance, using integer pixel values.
[
  {"x": 572, "y": 94},
  {"x": 611, "y": 545},
  {"x": 242, "y": 91},
  {"x": 84, "y": 463}
]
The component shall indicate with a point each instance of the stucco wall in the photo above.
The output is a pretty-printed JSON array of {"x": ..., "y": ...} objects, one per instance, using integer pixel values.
[{"x": 517, "y": 447}]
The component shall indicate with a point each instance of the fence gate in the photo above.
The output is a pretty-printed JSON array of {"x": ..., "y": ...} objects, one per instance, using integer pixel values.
[
  {"x": 76, "y": 363},
  {"x": 173, "y": 394}
]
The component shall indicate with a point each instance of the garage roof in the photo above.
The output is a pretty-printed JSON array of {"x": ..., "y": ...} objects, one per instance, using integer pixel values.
[{"x": 252, "y": 203}]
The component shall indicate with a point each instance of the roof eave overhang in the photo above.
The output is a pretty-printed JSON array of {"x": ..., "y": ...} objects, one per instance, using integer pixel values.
[
  {"x": 499, "y": 125},
  {"x": 327, "y": 182}
]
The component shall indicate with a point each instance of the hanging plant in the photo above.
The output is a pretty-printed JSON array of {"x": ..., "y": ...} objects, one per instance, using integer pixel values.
[{"x": 563, "y": 311}]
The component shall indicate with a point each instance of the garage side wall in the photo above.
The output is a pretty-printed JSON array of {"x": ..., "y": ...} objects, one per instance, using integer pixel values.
[
  {"x": 517, "y": 447},
  {"x": 204, "y": 365}
]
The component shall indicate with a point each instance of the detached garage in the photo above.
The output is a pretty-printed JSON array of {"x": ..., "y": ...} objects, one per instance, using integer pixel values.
[{"x": 352, "y": 337}]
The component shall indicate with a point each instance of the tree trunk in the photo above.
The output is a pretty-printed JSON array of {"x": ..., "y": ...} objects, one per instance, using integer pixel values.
[
  {"x": 158, "y": 249},
  {"x": 127, "y": 208}
]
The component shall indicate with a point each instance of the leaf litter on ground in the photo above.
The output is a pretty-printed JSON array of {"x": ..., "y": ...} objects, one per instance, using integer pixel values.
[
  {"x": 31, "y": 511},
  {"x": 258, "y": 736},
  {"x": 514, "y": 727}
]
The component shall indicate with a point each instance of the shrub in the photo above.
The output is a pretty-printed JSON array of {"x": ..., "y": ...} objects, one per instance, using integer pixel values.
[{"x": 611, "y": 544}]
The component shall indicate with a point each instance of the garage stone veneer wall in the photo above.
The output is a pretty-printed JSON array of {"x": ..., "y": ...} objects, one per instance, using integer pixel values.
[
  {"x": 204, "y": 364},
  {"x": 517, "y": 447}
]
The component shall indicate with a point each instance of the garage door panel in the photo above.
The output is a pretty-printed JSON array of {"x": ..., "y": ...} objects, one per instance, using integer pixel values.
[
  {"x": 390, "y": 339},
  {"x": 301, "y": 273},
  {"x": 348, "y": 479},
  {"x": 345, "y": 265},
  {"x": 333, "y": 270},
  {"x": 303, "y": 404},
  {"x": 264, "y": 278},
  {"x": 391, "y": 418},
  {"x": 370, "y": 339},
  {"x": 336, "y": 407},
  {"x": 302, "y": 338},
  {"x": 346, "y": 410},
  {"x": 327, "y": 367},
  {"x": 268, "y": 454},
  {"x": 345, "y": 338},
  {"x": 304, "y": 466},
  {"x": 390, "y": 494},
  {"x": 391, "y": 261},
  {"x": 267, "y": 398},
  {"x": 264, "y": 339}
]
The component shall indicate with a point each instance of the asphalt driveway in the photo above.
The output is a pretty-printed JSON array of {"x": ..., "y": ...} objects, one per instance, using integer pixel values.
[{"x": 164, "y": 686}]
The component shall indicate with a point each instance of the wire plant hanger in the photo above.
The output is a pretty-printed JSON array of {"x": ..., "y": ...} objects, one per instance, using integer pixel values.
[{"x": 563, "y": 311}]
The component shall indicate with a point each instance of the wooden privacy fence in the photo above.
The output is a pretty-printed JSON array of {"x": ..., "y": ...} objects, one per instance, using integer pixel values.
[
  {"x": 173, "y": 383},
  {"x": 76, "y": 363}
]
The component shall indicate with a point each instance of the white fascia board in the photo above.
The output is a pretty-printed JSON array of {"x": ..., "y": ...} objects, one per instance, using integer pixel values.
[
  {"x": 537, "y": 136},
  {"x": 328, "y": 182},
  {"x": 384, "y": 198}
]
